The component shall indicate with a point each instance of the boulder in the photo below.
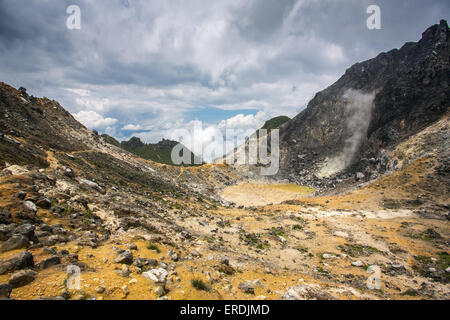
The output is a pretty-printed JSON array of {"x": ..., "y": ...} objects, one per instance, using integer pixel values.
[
  {"x": 50, "y": 262},
  {"x": 160, "y": 291},
  {"x": 195, "y": 253},
  {"x": 69, "y": 173},
  {"x": 125, "y": 257},
  {"x": 5, "y": 291},
  {"x": 21, "y": 261},
  {"x": 360, "y": 176},
  {"x": 6, "y": 231},
  {"x": 17, "y": 241},
  {"x": 30, "y": 206},
  {"x": 22, "y": 278},
  {"x": 21, "y": 195},
  {"x": 156, "y": 275},
  {"x": 44, "y": 203},
  {"x": 357, "y": 264},
  {"x": 5, "y": 216},
  {"x": 247, "y": 287},
  {"x": 27, "y": 230}
]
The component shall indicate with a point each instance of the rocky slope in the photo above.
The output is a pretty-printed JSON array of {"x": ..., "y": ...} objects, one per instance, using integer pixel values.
[
  {"x": 352, "y": 126},
  {"x": 71, "y": 200}
]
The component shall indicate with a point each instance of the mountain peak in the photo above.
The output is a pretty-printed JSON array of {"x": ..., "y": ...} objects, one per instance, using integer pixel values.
[{"x": 437, "y": 33}]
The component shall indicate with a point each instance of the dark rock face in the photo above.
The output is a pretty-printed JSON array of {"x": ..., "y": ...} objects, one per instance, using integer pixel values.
[
  {"x": 17, "y": 241},
  {"x": 50, "y": 262},
  {"x": 5, "y": 217},
  {"x": 27, "y": 230},
  {"x": 44, "y": 203},
  {"x": 22, "y": 278},
  {"x": 5, "y": 291},
  {"x": 374, "y": 106},
  {"x": 21, "y": 261},
  {"x": 6, "y": 231}
]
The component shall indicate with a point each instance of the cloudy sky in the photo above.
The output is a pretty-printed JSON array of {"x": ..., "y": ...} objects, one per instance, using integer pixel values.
[{"x": 146, "y": 68}]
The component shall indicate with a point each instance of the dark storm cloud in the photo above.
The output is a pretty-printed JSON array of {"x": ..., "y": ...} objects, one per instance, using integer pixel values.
[
  {"x": 144, "y": 64},
  {"x": 260, "y": 20}
]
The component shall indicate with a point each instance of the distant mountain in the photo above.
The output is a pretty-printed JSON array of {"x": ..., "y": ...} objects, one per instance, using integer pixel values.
[
  {"x": 110, "y": 140},
  {"x": 160, "y": 152},
  {"x": 275, "y": 123}
]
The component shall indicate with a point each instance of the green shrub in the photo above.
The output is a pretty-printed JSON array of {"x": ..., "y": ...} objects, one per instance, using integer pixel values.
[{"x": 200, "y": 285}]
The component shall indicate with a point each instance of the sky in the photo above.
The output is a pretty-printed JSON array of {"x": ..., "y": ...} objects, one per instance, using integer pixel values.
[{"x": 149, "y": 67}]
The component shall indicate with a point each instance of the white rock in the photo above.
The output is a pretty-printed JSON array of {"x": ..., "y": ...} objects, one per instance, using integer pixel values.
[
  {"x": 258, "y": 283},
  {"x": 65, "y": 186},
  {"x": 87, "y": 182},
  {"x": 195, "y": 253},
  {"x": 340, "y": 234},
  {"x": 357, "y": 264},
  {"x": 160, "y": 291},
  {"x": 282, "y": 239},
  {"x": 156, "y": 275},
  {"x": 16, "y": 170},
  {"x": 30, "y": 206}
]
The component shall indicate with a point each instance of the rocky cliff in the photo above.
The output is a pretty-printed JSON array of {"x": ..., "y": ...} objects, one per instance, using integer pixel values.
[{"x": 351, "y": 126}]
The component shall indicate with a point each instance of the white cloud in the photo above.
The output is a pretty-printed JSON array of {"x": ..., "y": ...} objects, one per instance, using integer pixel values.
[
  {"x": 132, "y": 127},
  {"x": 80, "y": 92},
  {"x": 148, "y": 64},
  {"x": 242, "y": 121},
  {"x": 92, "y": 119},
  {"x": 205, "y": 139}
]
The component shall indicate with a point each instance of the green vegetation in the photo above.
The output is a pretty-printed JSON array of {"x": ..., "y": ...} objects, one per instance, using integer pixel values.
[
  {"x": 110, "y": 140},
  {"x": 68, "y": 211},
  {"x": 301, "y": 249},
  {"x": 444, "y": 260},
  {"x": 160, "y": 152},
  {"x": 358, "y": 250},
  {"x": 200, "y": 285},
  {"x": 154, "y": 247},
  {"x": 391, "y": 204},
  {"x": 424, "y": 263},
  {"x": 253, "y": 240},
  {"x": 275, "y": 123},
  {"x": 411, "y": 293},
  {"x": 89, "y": 214},
  {"x": 277, "y": 231},
  {"x": 427, "y": 235}
]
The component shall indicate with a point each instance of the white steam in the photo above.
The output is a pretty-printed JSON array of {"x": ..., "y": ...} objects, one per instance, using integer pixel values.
[{"x": 358, "y": 110}]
